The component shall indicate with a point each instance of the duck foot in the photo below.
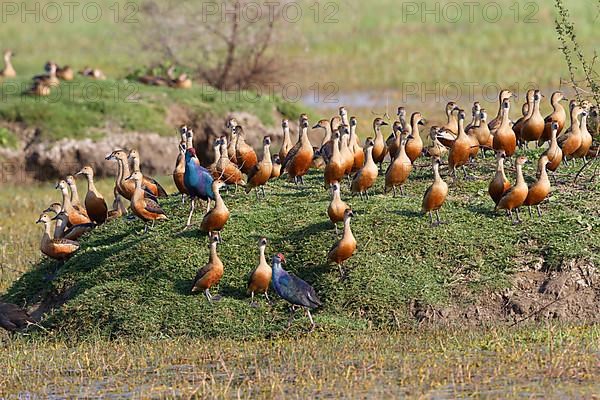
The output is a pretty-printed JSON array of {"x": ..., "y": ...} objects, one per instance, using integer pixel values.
[
  {"x": 216, "y": 298},
  {"x": 254, "y": 304}
]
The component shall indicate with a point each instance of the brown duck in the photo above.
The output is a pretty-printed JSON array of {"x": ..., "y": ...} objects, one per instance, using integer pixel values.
[
  {"x": 495, "y": 123},
  {"x": 379, "y": 149},
  {"x": 95, "y": 205},
  {"x": 150, "y": 184},
  {"x": 143, "y": 207},
  {"x": 540, "y": 189},
  {"x": 334, "y": 170},
  {"x": 400, "y": 168},
  {"x": 299, "y": 158},
  {"x": 260, "y": 278},
  {"x": 58, "y": 249},
  {"x": 500, "y": 184},
  {"x": 365, "y": 178},
  {"x": 75, "y": 217},
  {"x": 215, "y": 219},
  {"x": 460, "y": 151},
  {"x": 261, "y": 173},
  {"x": 211, "y": 273},
  {"x": 514, "y": 197},
  {"x": 503, "y": 136},
  {"x": 343, "y": 249},
  {"x": 227, "y": 171},
  {"x": 435, "y": 195},
  {"x": 244, "y": 153},
  {"x": 533, "y": 127},
  {"x": 554, "y": 152},
  {"x": 276, "y": 171},
  {"x": 337, "y": 206},
  {"x": 287, "y": 140},
  {"x": 558, "y": 114}
]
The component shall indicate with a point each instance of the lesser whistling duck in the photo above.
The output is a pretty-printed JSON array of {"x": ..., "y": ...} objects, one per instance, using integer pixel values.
[
  {"x": 337, "y": 206},
  {"x": 39, "y": 88},
  {"x": 325, "y": 149},
  {"x": 293, "y": 289},
  {"x": 436, "y": 148},
  {"x": 260, "y": 278},
  {"x": 286, "y": 144},
  {"x": 379, "y": 148},
  {"x": 276, "y": 171},
  {"x": 554, "y": 152},
  {"x": 344, "y": 248},
  {"x": 118, "y": 209},
  {"x": 95, "y": 204},
  {"x": 400, "y": 168},
  {"x": 143, "y": 207},
  {"x": 406, "y": 126},
  {"x": 216, "y": 157},
  {"x": 514, "y": 197},
  {"x": 149, "y": 184},
  {"x": 344, "y": 116},
  {"x": 475, "y": 112},
  {"x": 261, "y": 173},
  {"x": 435, "y": 195},
  {"x": 570, "y": 141},
  {"x": 94, "y": 73},
  {"x": 75, "y": 217},
  {"x": 75, "y": 201},
  {"x": 231, "y": 124},
  {"x": 392, "y": 143},
  {"x": 357, "y": 150},
  {"x": 586, "y": 138},
  {"x": 182, "y": 81},
  {"x": 365, "y": 178},
  {"x": 503, "y": 136},
  {"x": 345, "y": 152},
  {"x": 414, "y": 143},
  {"x": 533, "y": 127},
  {"x": 8, "y": 71},
  {"x": 198, "y": 182},
  {"x": 500, "y": 184},
  {"x": 558, "y": 114},
  {"x": 14, "y": 318},
  {"x": 540, "y": 189},
  {"x": 179, "y": 171},
  {"x": 226, "y": 170},
  {"x": 50, "y": 78},
  {"x": 56, "y": 208},
  {"x": 452, "y": 124},
  {"x": 65, "y": 73},
  {"x": 459, "y": 153},
  {"x": 481, "y": 132},
  {"x": 244, "y": 153},
  {"x": 299, "y": 158},
  {"x": 72, "y": 233},
  {"x": 211, "y": 273},
  {"x": 58, "y": 249},
  {"x": 215, "y": 219},
  {"x": 495, "y": 123},
  {"x": 124, "y": 187},
  {"x": 334, "y": 169},
  {"x": 527, "y": 111}
]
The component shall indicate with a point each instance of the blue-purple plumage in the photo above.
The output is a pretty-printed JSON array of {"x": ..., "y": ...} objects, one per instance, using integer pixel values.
[
  {"x": 292, "y": 288},
  {"x": 197, "y": 179}
]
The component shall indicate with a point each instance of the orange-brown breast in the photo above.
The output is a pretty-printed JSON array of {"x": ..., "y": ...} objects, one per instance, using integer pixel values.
[
  {"x": 513, "y": 198},
  {"x": 260, "y": 280},
  {"x": 435, "y": 197},
  {"x": 178, "y": 179},
  {"x": 276, "y": 171},
  {"x": 571, "y": 144},
  {"x": 364, "y": 180},
  {"x": 459, "y": 153},
  {"x": 210, "y": 278},
  {"x": 537, "y": 193},
  {"x": 342, "y": 251},
  {"x": 413, "y": 148},
  {"x": 230, "y": 174},
  {"x": 359, "y": 159},
  {"x": 96, "y": 208},
  {"x": 246, "y": 158},
  {"x": 59, "y": 251},
  {"x": 379, "y": 151},
  {"x": 554, "y": 158},
  {"x": 497, "y": 187},
  {"x": 334, "y": 171},
  {"x": 299, "y": 165},
  {"x": 214, "y": 221},
  {"x": 392, "y": 146},
  {"x": 398, "y": 172},
  {"x": 261, "y": 176},
  {"x": 505, "y": 140},
  {"x": 139, "y": 209},
  {"x": 76, "y": 218},
  {"x": 336, "y": 210},
  {"x": 532, "y": 128}
]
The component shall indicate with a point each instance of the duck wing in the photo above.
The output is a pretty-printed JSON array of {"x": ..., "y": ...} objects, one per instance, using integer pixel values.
[{"x": 152, "y": 206}]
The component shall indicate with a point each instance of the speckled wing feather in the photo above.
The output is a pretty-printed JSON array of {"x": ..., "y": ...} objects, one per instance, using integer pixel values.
[
  {"x": 291, "y": 154},
  {"x": 152, "y": 206}
]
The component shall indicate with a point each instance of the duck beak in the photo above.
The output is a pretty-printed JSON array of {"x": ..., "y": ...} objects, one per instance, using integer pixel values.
[
  {"x": 79, "y": 173},
  {"x": 383, "y": 123},
  {"x": 109, "y": 157},
  {"x": 57, "y": 186},
  {"x": 128, "y": 178},
  {"x": 316, "y": 126},
  {"x": 38, "y": 221}
]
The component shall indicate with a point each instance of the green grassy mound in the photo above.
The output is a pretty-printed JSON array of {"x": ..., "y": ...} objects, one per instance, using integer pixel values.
[
  {"x": 124, "y": 283},
  {"x": 82, "y": 107}
]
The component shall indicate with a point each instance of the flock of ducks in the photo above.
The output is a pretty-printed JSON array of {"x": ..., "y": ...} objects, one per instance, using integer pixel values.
[
  {"x": 43, "y": 84},
  {"x": 344, "y": 162}
]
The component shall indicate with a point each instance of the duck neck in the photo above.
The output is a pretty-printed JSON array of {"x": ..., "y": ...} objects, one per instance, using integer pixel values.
[
  {"x": 46, "y": 236},
  {"x": 327, "y": 136},
  {"x": 125, "y": 168},
  {"x": 60, "y": 226},
  {"x": 500, "y": 167},
  {"x": 353, "y": 138},
  {"x": 553, "y": 142},
  {"x": 91, "y": 185},
  {"x": 500, "y": 108},
  {"x": 217, "y": 151},
  {"x": 415, "y": 128},
  {"x": 66, "y": 200},
  {"x": 219, "y": 203},
  {"x": 436, "y": 172},
  {"x": 542, "y": 172},
  {"x": 267, "y": 154},
  {"x": 520, "y": 179},
  {"x": 138, "y": 193},
  {"x": 505, "y": 117},
  {"x": 304, "y": 136},
  {"x": 536, "y": 107},
  {"x": 461, "y": 127},
  {"x": 370, "y": 161},
  {"x": 136, "y": 164},
  {"x": 261, "y": 255},
  {"x": 335, "y": 151},
  {"x": 286, "y": 135},
  {"x": 377, "y": 130},
  {"x": 74, "y": 193},
  {"x": 213, "y": 252},
  {"x": 119, "y": 174},
  {"x": 336, "y": 195},
  {"x": 583, "y": 126},
  {"x": 347, "y": 230}
]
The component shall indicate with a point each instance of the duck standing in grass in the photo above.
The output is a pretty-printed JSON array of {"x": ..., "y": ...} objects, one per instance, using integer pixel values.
[
  {"x": 334, "y": 169},
  {"x": 260, "y": 277},
  {"x": 215, "y": 219},
  {"x": 540, "y": 189},
  {"x": 148, "y": 182},
  {"x": 227, "y": 170},
  {"x": 436, "y": 194},
  {"x": 56, "y": 248},
  {"x": 293, "y": 289},
  {"x": 94, "y": 201},
  {"x": 500, "y": 184},
  {"x": 414, "y": 143},
  {"x": 379, "y": 147},
  {"x": 211, "y": 273},
  {"x": 260, "y": 174},
  {"x": 516, "y": 195},
  {"x": 198, "y": 182},
  {"x": 300, "y": 157},
  {"x": 8, "y": 71},
  {"x": 75, "y": 217},
  {"x": 276, "y": 171},
  {"x": 75, "y": 201},
  {"x": 343, "y": 249},
  {"x": 286, "y": 145},
  {"x": 244, "y": 153},
  {"x": 365, "y": 178},
  {"x": 337, "y": 206},
  {"x": 72, "y": 233},
  {"x": 554, "y": 152},
  {"x": 400, "y": 168},
  {"x": 143, "y": 207}
]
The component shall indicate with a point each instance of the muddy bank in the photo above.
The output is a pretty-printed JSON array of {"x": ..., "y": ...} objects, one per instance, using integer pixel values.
[{"x": 35, "y": 159}]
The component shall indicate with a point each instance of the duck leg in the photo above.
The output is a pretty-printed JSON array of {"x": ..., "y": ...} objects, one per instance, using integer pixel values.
[
  {"x": 336, "y": 229},
  {"x": 393, "y": 191},
  {"x": 341, "y": 268},
  {"x": 401, "y": 191},
  {"x": 193, "y": 205},
  {"x": 518, "y": 216},
  {"x": 267, "y": 297},
  {"x": 510, "y": 216},
  {"x": 539, "y": 210},
  {"x": 208, "y": 295},
  {"x": 437, "y": 217},
  {"x": 530, "y": 214},
  {"x": 367, "y": 195},
  {"x": 430, "y": 218},
  {"x": 256, "y": 191},
  {"x": 182, "y": 198},
  {"x": 207, "y": 205},
  {"x": 262, "y": 189},
  {"x": 252, "y": 302}
]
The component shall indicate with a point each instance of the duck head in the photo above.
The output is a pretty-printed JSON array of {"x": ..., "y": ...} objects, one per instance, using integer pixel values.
[
  {"x": 86, "y": 171},
  {"x": 44, "y": 218}
]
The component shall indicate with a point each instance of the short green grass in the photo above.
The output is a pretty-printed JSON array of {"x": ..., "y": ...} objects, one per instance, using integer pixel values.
[
  {"x": 86, "y": 108},
  {"x": 539, "y": 361},
  {"x": 121, "y": 283}
]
